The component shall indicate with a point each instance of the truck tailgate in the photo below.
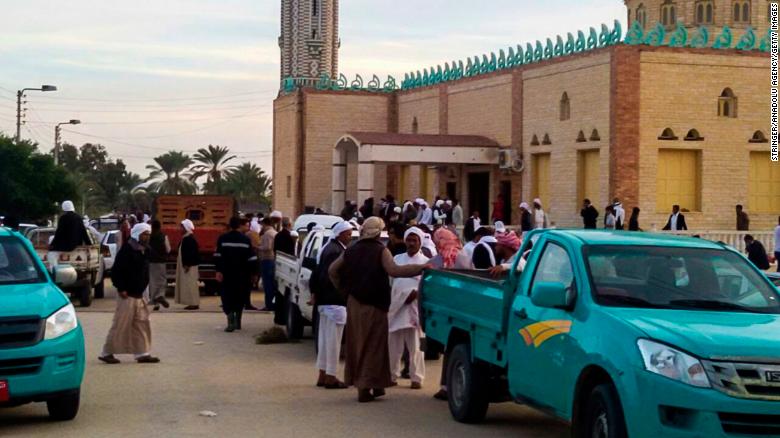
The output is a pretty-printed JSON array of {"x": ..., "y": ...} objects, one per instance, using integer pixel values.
[
  {"x": 467, "y": 301},
  {"x": 286, "y": 271}
]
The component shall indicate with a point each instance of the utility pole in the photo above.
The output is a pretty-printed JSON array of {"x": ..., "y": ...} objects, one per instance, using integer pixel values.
[{"x": 19, "y": 96}]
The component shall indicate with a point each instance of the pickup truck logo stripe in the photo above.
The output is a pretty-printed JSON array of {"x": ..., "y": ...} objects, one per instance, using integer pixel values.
[{"x": 540, "y": 332}]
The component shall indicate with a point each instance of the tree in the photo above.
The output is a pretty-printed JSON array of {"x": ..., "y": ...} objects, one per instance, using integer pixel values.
[
  {"x": 213, "y": 164},
  {"x": 168, "y": 175},
  {"x": 30, "y": 183},
  {"x": 248, "y": 184}
]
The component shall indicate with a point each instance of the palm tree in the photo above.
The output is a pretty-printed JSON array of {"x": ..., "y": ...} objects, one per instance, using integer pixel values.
[
  {"x": 212, "y": 164},
  {"x": 248, "y": 183},
  {"x": 168, "y": 175}
]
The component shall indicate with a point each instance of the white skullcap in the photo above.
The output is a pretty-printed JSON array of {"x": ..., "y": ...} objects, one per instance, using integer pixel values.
[
  {"x": 68, "y": 206},
  {"x": 449, "y": 202},
  {"x": 524, "y": 205},
  {"x": 276, "y": 214},
  {"x": 500, "y": 227},
  {"x": 419, "y": 201},
  {"x": 294, "y": 233},
  {"x": 416, "y": 231},
  {"x": 342, "y": 227},
  {"x": 254, "y": 226},
  {"x": 397, "y": 210},
  {"x": 440, "y": 202},
  {"x": 188, "y": 225},
  {"x": 147, "y": 218},
  {"x": 139, "y": 229}
]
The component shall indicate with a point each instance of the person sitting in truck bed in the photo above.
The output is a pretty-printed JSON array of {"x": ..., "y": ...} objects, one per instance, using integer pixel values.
[
  {"x": 484, "y": 256},
  {"x": 284, "y": 242},
  {"x": 71, "y": 231}
]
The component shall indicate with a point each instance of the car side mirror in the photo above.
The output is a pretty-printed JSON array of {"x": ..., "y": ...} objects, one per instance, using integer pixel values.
[
  {"x": 65, "y": 275},
  {"x": 552, "y": 295},
  {"x": 310, "y": 263}
]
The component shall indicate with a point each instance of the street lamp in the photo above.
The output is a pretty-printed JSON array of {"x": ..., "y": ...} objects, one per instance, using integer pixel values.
[
  {"x": 19, "y": 95},
  {"x": 57, "y": 138}
]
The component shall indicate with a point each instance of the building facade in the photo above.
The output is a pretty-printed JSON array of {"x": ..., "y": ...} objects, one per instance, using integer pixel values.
[{"x": 649, "y": 124}]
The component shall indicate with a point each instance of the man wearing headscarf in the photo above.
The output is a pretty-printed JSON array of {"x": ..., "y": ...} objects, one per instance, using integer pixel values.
[
  {"x": 236, "y": 268},
  {"x": 526, "y": 221},
  {"x": 403, "y": 316},
  {"x": 448, "y": 246},
  {"x": 428, "y": 245},
  {"x": 472, "y": 225},
  {"x": 131, "y": 332},
  {"x": 540, "y": 217},
  {"x": 484, "y": 256},
  {"x": 332, "y": 308},
  {"x": 187, "y": 290},
  {"x": 409, "y": 213},
  {"x": 70, "y": 233},
  {"x": 159, "y": 247},
  {"x": 363, "y": 272}
]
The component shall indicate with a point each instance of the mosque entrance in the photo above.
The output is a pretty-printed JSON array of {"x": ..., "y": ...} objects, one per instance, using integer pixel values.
[{"x": 479, "y": 187}]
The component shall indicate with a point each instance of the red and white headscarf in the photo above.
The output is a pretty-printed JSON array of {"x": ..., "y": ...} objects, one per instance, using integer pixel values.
[{"x": 448, "y": 245}]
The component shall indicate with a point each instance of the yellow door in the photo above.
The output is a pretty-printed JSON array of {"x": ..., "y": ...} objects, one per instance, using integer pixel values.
[
  {"x": 588, "y": 177},
  {"x": 763, "y": 184},
  {"x": 678, "y": 180},
  {"x": 541, "y": 178}
]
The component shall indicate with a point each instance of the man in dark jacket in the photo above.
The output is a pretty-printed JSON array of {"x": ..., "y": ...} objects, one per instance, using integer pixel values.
[
  {"x": 589, "y": 215},
  {"x": 284, "y": 242},
  {"x": 237, "y": 267},
  {"x": 743, "y": 220},
  {"x": 676, "y": 221},
  {"x": 130, "y": 331},
  {"x": 756, "y": 253},
  {"x": 332, "y": 308},
  {"x": 71, "y": 231}
]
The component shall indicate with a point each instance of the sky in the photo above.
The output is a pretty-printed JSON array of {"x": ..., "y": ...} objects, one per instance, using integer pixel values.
[{"x": 148, "y": 76}]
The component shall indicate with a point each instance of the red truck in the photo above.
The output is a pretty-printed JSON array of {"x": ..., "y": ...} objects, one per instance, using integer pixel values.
[{"x": 210, "y": 214}]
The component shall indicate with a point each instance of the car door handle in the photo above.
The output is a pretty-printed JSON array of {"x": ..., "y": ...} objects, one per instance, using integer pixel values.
[{"x": 521, "y": 314}]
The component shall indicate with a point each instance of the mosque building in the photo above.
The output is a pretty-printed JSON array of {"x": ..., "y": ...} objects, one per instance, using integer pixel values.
[{"x": 672, "y": 109}]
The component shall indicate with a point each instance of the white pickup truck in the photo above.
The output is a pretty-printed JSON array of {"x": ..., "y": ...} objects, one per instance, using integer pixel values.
[{"x": 86, "y": 260}]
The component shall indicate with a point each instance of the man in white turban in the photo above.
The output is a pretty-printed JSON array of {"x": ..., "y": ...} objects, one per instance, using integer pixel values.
[
  {"x": 131, "y": 332},
  {"x": 403, "y": 317},
  {"x": 70, "y": 234},
  {"x": 187, "y": 291}
]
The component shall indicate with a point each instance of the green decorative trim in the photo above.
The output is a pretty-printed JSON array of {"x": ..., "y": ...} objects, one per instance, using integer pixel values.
[
  {"x": 656, "y": 35},
  {"x": 357, "y": 84},
  {"x": 635, "y": 34},
  {"x": 723, "y": 41},
  {"x": 680, "y": 36},
  {"x": 549, "y": 50},
  {"x": 374, "y": 84},
  {"x": 529, "y": 53},
  {"x": 579, "y": 45},
  {"x": 593, "y": 39},
  {"x": 559, "y": 47},
  {"x": 538, "y": 51},
  {"x": 701, "y": 39},
  {"x": 569, "y": 47},
  {"x": 766, "y": 41},
  {"x": 748, "y": 40}
]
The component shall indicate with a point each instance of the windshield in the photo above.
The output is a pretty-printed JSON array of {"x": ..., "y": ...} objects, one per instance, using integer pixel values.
[
  {"x": 17, "y": 265},
  {"x": 678, "y": 278}
]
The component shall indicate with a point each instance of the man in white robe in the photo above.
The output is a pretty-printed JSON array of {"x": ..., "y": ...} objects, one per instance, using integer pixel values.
[{"x": 403, "y": 316}]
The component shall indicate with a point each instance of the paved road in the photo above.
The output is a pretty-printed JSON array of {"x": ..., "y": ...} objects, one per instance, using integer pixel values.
[{"x": 256, "y": 390}]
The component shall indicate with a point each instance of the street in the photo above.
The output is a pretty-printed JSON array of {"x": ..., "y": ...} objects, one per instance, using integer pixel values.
[{"x": 256, "y": 390}]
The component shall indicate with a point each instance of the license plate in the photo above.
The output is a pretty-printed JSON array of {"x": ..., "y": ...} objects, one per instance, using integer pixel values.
[
  {"x": 4, "y": 395},
  {"x": 773, "y": 376}
]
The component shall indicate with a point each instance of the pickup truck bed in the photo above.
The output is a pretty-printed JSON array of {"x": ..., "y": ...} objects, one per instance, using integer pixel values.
[{"x": 445, "y": 296}]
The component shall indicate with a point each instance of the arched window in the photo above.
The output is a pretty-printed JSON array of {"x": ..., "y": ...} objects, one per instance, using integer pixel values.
[
  {"x": 565, "y": 107},
  {"x": 314, "y": 34},
  {"x": 741, "y": 12},
  {"x": 641, "y": 15},
  {"x": 704, "y": 12},
  {"x": 693, "y": 135},
  {"x": 315, "y": 8},
  {"x": 546, "y": 139},
  {"x": 594, "y": 136},
  {"x": 534, "y": 140},
  {"x": 727, "y": 104},
  {"x": 668, "y": 13},
  {"x": 415, "y": 126},
  {"x": 581, "y": 137},
  {"x": 758, "y": 137},
  {"x": 667, "y": 134}
]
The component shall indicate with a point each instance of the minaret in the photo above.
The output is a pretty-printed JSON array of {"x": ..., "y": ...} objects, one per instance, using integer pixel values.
[{"x": 309, "y": 41}]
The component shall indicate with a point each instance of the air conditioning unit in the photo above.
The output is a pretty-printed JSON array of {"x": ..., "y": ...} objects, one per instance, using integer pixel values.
[{"x": 508, "y": 159}]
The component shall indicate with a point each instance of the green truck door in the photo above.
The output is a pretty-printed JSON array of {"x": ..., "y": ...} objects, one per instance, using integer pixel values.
[{"x": 540, "y": 347}]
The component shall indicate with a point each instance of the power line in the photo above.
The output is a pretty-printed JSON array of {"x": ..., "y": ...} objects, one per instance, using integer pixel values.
[
  {"x": 163, "y": 100},
  {"x": 145, "y": 122},
  {"x": 48, "y": 109}
]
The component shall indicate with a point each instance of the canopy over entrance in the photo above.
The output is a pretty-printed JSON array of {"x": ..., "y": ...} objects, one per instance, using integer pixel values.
[{"x": 366, "y": 149}]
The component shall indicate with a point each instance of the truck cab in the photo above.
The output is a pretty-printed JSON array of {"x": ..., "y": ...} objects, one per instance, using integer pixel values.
[
  {"x": 620, "y": 334},
  {"x": 41, "y": 341}
]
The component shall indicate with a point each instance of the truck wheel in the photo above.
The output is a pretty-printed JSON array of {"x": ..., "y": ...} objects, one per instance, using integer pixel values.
[
  {"x": 467, "y": 386},
  {"x": 294, "y": 321},
  {"x": 85, "y": 295},
  {"x": 65, "y": 407},
  {"x": 603, "y": 414}
]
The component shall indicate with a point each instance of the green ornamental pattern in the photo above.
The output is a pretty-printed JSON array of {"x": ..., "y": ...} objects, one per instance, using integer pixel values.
[{"x": 541, "y": 51}]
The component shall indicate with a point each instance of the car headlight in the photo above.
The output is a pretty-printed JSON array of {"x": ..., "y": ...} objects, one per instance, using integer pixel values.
[
  {"x": 61, "y": 322},
  {"x": 672, "y": 363}
]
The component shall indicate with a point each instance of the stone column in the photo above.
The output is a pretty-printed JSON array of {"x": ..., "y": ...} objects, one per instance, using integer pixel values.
[
  {"x": 365, "y": 180},
  {"x": 339, "y": 182}
]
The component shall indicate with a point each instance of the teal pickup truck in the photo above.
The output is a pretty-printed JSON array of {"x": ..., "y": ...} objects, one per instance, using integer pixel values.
[
  {"x": 619, "y": 334},
  {"x": 41, "y": 341}
]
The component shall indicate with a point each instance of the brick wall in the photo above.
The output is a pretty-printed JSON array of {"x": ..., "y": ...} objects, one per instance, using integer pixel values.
[
  {"x": 286, "y": 144},
  {"x": 680, "y": 91}
]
